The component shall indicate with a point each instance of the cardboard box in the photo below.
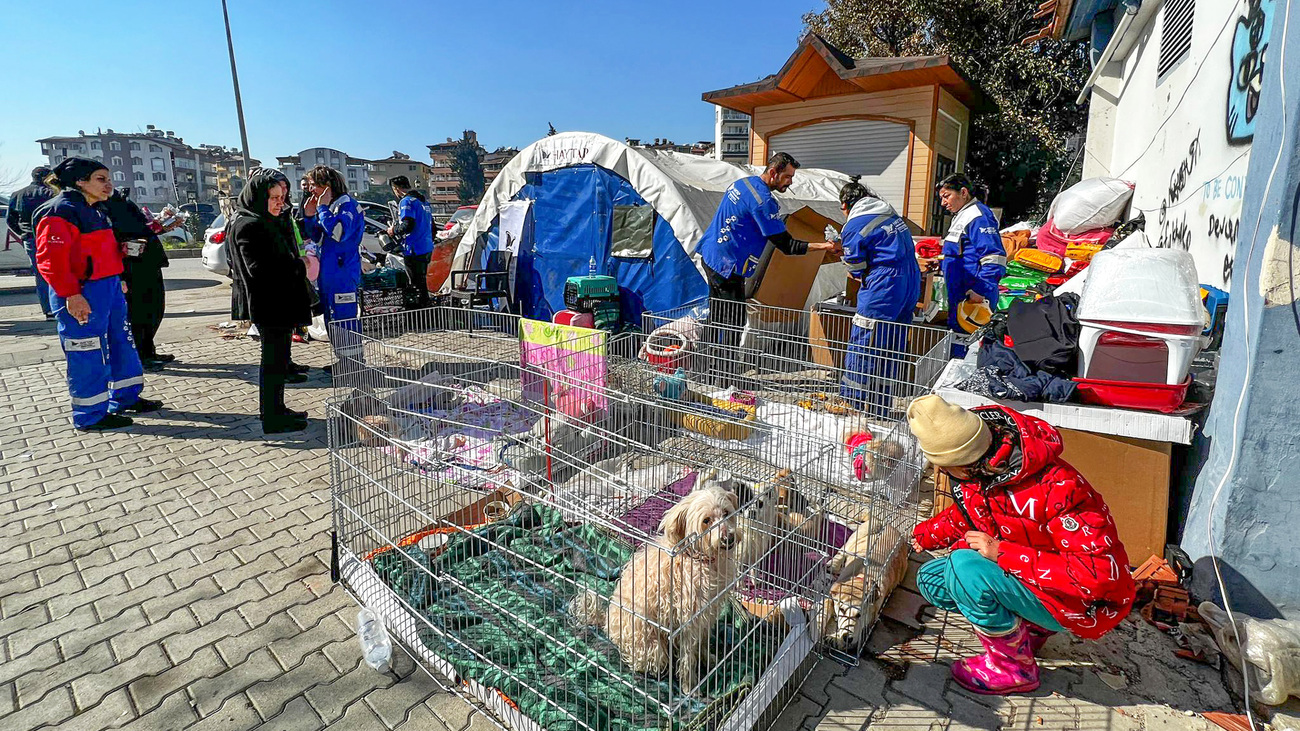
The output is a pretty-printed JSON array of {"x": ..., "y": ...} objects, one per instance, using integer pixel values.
[
  {"x": 1132, "y": 475},
  {"x": 828, "y": 334},
  {"x": 787, "y": 280}
]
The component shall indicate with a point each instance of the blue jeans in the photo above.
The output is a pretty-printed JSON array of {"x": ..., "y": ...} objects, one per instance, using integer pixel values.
[
  {"x": 42, "y": 287},
  {"x": 989, "y": 597}
]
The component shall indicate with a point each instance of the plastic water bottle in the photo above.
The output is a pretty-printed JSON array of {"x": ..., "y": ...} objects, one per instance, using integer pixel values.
[
  {"x": 591, "y": 267},
  {"x": 375, "y": 644}
]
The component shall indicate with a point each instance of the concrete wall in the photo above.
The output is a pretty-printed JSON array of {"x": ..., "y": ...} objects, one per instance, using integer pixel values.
[
  {"x": 1253, "y": 427},
  {"x": 1183, "y": 139}
]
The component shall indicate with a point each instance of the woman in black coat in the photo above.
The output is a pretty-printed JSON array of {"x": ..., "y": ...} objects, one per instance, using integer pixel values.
[{"x": 264, "y": 259}]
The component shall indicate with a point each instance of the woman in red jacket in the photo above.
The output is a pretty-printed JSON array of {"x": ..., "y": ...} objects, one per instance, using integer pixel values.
[
  {"x": 1036, "y": 550},
  {"x": 79, "y": 256}
]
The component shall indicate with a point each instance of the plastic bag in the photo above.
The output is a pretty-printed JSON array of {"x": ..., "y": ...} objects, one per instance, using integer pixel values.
[
  {"x": 1051, "y": 239},
  {"x": 1272, "y": 649},
  {"x": 1090, "y": 204},
  {"x": 317, "y": 330}
]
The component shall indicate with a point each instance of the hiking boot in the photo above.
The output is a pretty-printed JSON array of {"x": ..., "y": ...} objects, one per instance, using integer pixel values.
[
  {"x": 142, "y": 406},
  {"x": 281, "y": 424},
  {"x": 110, "y": 421}
]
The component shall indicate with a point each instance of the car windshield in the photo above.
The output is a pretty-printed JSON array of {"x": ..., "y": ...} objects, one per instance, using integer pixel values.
[{"x": 218, "y": 222}]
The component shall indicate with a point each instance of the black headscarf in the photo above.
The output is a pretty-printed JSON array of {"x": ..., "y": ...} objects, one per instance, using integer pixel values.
[
  {"x": 255, "y": 197},
  {"x": 75, "y": 169}
]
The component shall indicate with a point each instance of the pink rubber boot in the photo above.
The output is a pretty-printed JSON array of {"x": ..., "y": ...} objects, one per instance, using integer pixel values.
[
  {"x": 1006, "y": 667},
  {"x": 1037, "y": 637}
]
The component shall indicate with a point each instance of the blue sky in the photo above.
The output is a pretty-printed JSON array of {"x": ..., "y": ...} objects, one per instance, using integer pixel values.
[{"x": 372, "y": 77}]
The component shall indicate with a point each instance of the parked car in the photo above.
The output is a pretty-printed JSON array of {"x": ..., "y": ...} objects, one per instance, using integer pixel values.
[
  {"x": 214, "y": 248},
  {"x": 461, "y": 216},
  {"x": 216, "y": 260},
  {"x": 206, "y": 212}
]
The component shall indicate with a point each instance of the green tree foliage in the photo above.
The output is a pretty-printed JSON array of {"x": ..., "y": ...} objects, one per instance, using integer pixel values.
[
  {"x": 468, "y": 166},
  {"x": 1017, "y": 144}
]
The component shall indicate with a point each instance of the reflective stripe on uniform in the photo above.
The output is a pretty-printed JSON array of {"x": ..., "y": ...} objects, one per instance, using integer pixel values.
[
  {"x": 859, "y": 267},
  {"x": 81, "y": 345},
  {"x": 126, "y": 382},
  {"x": 994, "y": 259},
  {"x": 753, "y": 192},
  {"x": 90, "y": 400},
  {"x": 864, "y": 322},
  {"x": 345, "y": 298}
]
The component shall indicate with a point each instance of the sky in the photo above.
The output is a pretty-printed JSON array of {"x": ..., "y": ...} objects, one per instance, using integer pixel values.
[{"x": 372, "y": 77}]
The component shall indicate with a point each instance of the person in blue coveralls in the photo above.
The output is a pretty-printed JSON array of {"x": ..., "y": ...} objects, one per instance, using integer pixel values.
[
  {"x": 748, "y": 218},
  {"x": 879, "y": 253},
  {"x": 415, "y": 223},
  {"x": 334, "y": 220},
  {"x": 77, "y": 253},
  {"x": 974, "y": 259}
]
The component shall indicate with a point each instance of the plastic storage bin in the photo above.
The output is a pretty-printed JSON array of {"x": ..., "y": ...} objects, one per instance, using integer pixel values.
[{"x": 1125, "y": 395}]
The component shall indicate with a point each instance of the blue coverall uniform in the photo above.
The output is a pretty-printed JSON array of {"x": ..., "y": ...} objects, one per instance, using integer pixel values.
[
  {"x": 974, "y": 259},
  {"x": 77, "y": 253},
  {"x": 879, "y": 252},
  {"x": 339, "y": 228}
]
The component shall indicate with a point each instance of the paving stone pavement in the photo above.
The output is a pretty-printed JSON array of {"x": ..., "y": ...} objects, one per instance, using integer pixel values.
[{"x": 175, "y": 576}]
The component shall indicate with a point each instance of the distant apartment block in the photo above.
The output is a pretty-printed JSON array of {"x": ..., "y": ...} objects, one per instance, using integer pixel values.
[
  {"x": 399, "y": 163},
  {"x": 731, "y": 135},
  {"x": 444, "y": 183},
  {"x": 703, "y": 147},
  {"x": 354, "y": 169},
  {"x": 157, "y": 165}
]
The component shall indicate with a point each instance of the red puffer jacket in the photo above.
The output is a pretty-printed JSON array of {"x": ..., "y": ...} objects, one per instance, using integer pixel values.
[
  {"x": 1057, "y": 535},
  {"x": 74, "y": 243}
]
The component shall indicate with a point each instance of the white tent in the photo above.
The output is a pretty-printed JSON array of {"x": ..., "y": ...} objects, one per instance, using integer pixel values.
[{"x": 684, "y": 190}]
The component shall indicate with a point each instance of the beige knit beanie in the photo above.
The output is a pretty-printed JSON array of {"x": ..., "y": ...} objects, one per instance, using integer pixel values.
[{"x": 949, "y": 435}]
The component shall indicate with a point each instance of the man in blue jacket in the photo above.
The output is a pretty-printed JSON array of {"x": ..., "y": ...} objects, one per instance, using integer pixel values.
[
  {"x": 415, "y": 224},
  {"x": 748, "y": 219},
  {"x": 974, "y": 260},
  {"x": 19, "y": 219}
]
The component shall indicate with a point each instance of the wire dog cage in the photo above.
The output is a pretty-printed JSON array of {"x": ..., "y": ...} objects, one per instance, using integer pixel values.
[{"x": 583, "y": 535}]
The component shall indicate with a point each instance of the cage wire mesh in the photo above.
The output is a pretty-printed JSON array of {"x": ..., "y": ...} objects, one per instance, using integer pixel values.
[{"x": 592, "y": 531}]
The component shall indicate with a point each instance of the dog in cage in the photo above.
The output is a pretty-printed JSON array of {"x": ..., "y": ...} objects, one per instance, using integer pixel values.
[
  {"x": 670, "y": 593},
  {"x": 870, "y": 562}
]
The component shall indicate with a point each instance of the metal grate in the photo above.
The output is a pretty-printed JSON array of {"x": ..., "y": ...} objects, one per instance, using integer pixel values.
[{"x": 1175, "y": 35}]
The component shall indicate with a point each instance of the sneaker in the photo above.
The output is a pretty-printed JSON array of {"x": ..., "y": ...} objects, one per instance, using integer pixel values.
[
  {"x": 282, "y": 424},
  {"x": 163, "y": 357},
  {"x": 110, "y": 421},
  {"x": 295, "y": 378},
  {"x": 143, "y": 406},
  {"x": 298, "y": 338},
  {"x": 298, "y": 368},
  {"x": 288, "y": 414}
]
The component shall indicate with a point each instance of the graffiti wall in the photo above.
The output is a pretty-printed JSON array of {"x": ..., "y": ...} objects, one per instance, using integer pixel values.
[{"x": 1183, "y": 138}]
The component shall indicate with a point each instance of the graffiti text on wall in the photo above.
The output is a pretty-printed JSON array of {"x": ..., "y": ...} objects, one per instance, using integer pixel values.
[
  {"x": 1174, "y": 231},
  {"x": 1249, "y": 48}
]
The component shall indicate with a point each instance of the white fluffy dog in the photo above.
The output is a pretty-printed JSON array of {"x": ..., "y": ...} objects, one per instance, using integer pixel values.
[{"x": 669, "y": 594}]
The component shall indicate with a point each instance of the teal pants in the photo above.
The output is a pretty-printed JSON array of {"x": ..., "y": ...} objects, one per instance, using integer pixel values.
[{"x": 989, "y": 597}]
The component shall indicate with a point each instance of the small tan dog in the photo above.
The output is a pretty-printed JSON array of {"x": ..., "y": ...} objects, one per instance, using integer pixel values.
[{"x": 665, "y": 604}]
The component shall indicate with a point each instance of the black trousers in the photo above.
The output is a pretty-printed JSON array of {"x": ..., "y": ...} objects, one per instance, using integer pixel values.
[
  {"x": 146, "y": 299},
  {"x": 275, "y": 367},
  {"x": 727, "y": 320},
  {"x": 417, "y": 268}
]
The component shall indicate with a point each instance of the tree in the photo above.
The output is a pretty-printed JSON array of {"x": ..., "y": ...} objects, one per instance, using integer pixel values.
[
  {"x": 1017, "y": 145},
  {"x": 467, "y": 164}
]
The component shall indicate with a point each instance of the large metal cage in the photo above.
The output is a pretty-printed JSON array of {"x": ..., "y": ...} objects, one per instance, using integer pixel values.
[{"x": 580, "y": 533}]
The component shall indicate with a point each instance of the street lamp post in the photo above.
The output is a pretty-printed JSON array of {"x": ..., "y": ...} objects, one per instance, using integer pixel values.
[{"x": 234, "y": 76}]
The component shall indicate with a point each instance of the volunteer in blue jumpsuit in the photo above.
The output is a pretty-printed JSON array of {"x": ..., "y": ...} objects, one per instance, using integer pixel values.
[
  {"x": 19, "y": 219},
  {"x": 415, "y": 225},
  {"x": 333, "y": 218},
  {"x": 747, "y": 220},
  {"x": 879, "y": 253},
  {"x": 79, "y": 256},
  {"x": 974, "y": 260}
]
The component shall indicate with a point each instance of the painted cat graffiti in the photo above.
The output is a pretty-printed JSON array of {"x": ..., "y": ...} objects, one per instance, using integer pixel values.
[{"x": 1249, "y": 48}]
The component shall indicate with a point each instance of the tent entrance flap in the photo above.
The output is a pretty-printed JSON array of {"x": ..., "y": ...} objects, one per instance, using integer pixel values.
[{"x": 586, "y": 212}]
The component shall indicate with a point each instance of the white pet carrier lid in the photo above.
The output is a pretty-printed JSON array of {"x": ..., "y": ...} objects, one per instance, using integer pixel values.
[{"x": 1157, "y": 286}]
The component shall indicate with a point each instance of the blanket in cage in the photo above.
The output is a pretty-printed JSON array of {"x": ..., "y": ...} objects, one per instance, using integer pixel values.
[
  {"x": 498, "y": 600},
  {"x": 563, "y": 367}
]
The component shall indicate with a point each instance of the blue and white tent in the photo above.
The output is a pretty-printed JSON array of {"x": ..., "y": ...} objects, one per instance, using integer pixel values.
[{"x": 638, "y": 213}]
